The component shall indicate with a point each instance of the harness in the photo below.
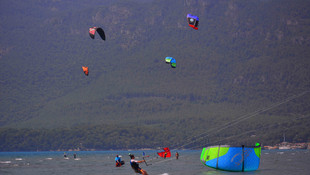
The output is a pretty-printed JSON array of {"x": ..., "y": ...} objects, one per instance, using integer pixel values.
[{"x": 135, "y": 166}]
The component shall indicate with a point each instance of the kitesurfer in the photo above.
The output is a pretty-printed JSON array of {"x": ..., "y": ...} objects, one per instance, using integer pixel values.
[
  {"x": 118, "y": 161},
  {"x": 74, "y": 155},
  {"x": 165, "y": 155},
  {"x": 177, "y": 155},
  {"x": 135, "y": 165},
  {"x": 65, "y": 155}
]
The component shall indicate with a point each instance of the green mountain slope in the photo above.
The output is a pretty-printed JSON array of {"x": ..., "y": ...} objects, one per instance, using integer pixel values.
[{"x": 245, "y": 56}]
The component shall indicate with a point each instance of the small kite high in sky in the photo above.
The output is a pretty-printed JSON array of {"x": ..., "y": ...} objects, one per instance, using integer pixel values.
[
  {"x": 85, "y": 70},
  {"x": 193, "y": 21},
  {"x": 171, "y": 61},
  {"x": 93, "y": 30}
]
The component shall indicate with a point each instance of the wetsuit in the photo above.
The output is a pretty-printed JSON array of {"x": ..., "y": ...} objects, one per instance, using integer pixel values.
[
  {"x": 135, "y": 166},
  {"x": 118, "y": 161},
  {"x": 177, "y": 155}
]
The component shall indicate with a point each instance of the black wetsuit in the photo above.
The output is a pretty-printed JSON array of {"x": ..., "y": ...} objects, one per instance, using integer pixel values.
[{"x": 135, "y": 166}]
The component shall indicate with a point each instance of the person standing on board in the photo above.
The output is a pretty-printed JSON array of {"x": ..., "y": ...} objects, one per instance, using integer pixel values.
[
  {"x": 135, "y": 165},
  {"x": 177, "y": 155},
  {"x": 165, "y": 155}
]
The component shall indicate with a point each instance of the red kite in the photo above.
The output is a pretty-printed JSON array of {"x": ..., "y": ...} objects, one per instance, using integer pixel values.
[
  {"x": 85, "y": 70},
  {"x": 165, "y": 153}
]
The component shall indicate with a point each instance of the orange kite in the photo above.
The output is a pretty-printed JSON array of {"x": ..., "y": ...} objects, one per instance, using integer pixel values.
[{"x": 85, "y": 70}]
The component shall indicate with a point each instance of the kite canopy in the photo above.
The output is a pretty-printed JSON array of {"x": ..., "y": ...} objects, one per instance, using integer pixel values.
[
  {"x": 165, "y": 152},
  {"x": 92, "y": 32},
  {"x": 85, "y": 70},
  {"x": 168, "y": 59},
  {"x": 193, "y": 21},
  {"x": 173, "y": 63},
  {"x": 231, "y": 158}
]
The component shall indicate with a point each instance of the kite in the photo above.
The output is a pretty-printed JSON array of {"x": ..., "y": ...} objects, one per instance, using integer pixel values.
[
  {"x": 168, "y": 59},
  {"x": 85, "y": 70},
  {"x": 232, "y": 158},
  {"x": 193, "y": 21},
  {"x": 92, "y": 32},
  {"x": 165, "y": 153},
  {"x": 171, "y": 61}
]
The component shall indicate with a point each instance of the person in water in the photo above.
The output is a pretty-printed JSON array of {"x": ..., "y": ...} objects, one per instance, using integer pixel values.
[
  {"x": 177, "y": 155},
  {"x": 118, "y": 161},
  {"x": 74, "y": 155},
  {"x": 65, "y": 155},
  {"x": 135, "y": 165}
]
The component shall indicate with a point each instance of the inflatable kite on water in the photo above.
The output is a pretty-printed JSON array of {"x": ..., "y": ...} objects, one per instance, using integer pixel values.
[
  {"x": 165, "y": 153},
  {"x": 231, "y": 158}
]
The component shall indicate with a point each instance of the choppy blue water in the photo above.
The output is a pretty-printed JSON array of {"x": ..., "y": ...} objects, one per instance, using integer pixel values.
[{"x": 273, "y": 162}]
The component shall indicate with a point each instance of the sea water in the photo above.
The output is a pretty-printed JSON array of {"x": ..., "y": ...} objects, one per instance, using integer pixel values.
[{"x": 273, "y": 162}]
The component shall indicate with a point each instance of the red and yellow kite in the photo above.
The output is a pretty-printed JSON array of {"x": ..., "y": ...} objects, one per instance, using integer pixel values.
[{"x": 165, "y": 153}]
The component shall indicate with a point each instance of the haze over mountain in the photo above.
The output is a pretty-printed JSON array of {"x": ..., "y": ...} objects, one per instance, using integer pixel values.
[{"x": 248, "y": 58}]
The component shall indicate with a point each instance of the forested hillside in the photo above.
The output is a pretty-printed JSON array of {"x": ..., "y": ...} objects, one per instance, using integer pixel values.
[{"x": 242, "y": 77}]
